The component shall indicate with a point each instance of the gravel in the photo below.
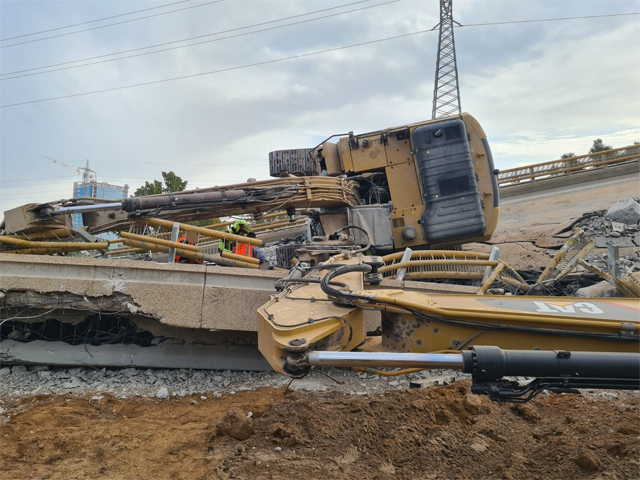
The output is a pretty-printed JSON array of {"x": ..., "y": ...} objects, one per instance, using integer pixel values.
[
  {"x": 163, "y": 384},
  {"x": 207, "y": 384}
]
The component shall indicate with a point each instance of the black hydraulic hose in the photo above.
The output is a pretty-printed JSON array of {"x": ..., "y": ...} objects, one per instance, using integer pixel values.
[
  {"x": 325, "y": 284},
  {"x": 287, "y": 281}
]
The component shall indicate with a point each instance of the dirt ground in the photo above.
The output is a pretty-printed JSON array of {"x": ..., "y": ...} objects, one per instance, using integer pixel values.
[
  {"x": 436, "y": 433},
  {"x": 267, "y": 433}
]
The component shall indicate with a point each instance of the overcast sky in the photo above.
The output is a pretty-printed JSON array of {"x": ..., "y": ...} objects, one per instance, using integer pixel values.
[{"x": 539, "y": 89}]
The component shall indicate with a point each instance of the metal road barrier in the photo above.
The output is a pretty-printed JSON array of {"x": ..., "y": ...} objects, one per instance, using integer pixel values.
[{"x": 568, "y": 166}]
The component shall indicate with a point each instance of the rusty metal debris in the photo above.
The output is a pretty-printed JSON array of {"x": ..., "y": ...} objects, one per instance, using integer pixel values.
[{"x": 575, "y": 248}]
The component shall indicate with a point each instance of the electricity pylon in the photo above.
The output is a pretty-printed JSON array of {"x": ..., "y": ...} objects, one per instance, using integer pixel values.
[{"x": 446, "y": 91}]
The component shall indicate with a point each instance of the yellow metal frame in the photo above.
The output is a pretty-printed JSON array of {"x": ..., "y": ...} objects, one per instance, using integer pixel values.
[{"x": 421, "y": 323}]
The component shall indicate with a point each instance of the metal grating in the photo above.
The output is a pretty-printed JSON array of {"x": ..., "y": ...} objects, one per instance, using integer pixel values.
[{"x": 295, "y": 162}]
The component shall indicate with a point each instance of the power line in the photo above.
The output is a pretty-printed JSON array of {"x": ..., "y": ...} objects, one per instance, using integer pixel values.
[
  {"x": 548, "y": 19},
  {"x": 111, "y": 24},
  {"x": 200, "y": 43},
  {"x": 119, "y": 179},
  {"x": 56, "y": 191},
  {"x": 133, "y": 163},
  {"x": 267, "y": 62},
  {"x": 257, "y": 31},
  {"x": 93, "y": 21},
  {"x": 39, "y": 178},
  {"x": 189, "y": 39},
  {"x": 302, "y": 55},
  {"x": 26, "y": 187},
  {"x": 16, "y": 196}
]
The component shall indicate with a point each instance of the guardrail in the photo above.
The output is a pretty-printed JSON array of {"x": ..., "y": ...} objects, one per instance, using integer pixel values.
[{"x": 568, "y": 166}]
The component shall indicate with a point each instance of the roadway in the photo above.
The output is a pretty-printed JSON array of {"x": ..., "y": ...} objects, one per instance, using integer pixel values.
[{"x": 529, "y": 220}]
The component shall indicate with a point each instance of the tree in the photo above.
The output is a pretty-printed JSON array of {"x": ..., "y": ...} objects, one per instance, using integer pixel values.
[
  {"x": 172, "y": 183},
  {"x": 568, "y": 155},
  {"x": 149, "y": 189},
  {"x": 599, "y": 146}
]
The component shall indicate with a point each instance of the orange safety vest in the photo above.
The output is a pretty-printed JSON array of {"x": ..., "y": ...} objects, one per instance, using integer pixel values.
[
  {"x": 183, "y": 239},
  {"x": 243, "y": 249}
]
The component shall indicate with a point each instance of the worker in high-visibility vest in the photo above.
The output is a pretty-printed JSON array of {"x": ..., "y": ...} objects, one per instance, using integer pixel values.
[
  {"x": 242, "y": 227},
  {"x": 179, "y": 259}
]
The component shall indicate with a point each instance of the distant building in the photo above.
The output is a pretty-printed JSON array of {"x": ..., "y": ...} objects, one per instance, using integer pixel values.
[
  {"x": 90, "y": 188},
  {"x": 97, "y": 190}
]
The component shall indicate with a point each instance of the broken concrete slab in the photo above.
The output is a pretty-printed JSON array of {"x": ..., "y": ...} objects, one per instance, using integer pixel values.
[
  {"x": 600, "y": 289},
  {"x": 172, "y": 294},
  {"x": 177, "y": 295},
  {"x": 618, "y": 227},
  {"x": 601, "y": 241},
  {"x": 203, "y": 357},
  {"x": 627, "y": 212},
  {"x": 432, "y": 381}
]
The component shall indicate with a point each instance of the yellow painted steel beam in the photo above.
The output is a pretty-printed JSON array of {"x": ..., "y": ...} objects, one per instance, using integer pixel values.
[
  {"x": 442, "y": 275},
  {"x": 124, "y": 250},
  {"x": 241, "y": 258},
  {"x": 423, "y": 323},
  {"x": 157, "y": 241},
  {"x": 57, "y": 233},
  {"x": 45, "y": 251},
  {"x": 191, "y": 255},
  {"x": 491, "y": 279},
  {"x": 53, "y": 245},
  {"x": 467, "y": 307},
  {"x": 203, "y": 231},
  {"x": 266, "y": 226},
  {"x": 270, "y": 215}
]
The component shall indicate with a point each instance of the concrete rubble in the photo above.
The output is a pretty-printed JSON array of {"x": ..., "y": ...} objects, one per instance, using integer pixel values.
[
  {"x": 618, "y": 224},
  {"x": 20, "y": 380},
  {"x": 626, "y": 212},
  {"x": 600, "y": 289}
]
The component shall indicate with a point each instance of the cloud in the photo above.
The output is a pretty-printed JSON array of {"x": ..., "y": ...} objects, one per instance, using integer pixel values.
[{"x": 539, "y": 90}]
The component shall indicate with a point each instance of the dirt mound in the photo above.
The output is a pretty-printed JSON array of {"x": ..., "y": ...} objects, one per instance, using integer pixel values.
[
  {"x": 235, "y": 424},
  {"x": 443, "y": 432}
]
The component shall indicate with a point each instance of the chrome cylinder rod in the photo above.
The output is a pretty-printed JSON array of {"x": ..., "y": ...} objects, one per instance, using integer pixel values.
[
  {"x": 98, "y": 207},
  {"x": 383, "y": 359}
]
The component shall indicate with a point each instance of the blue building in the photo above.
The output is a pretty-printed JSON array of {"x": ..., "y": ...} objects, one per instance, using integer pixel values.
[
  {"x": 97, "y": 190},
  {"x": 89, "y": 188}
]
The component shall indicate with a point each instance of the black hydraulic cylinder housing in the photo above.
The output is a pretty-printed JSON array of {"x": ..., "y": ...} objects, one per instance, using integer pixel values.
[{"x": 488, "y": 363}]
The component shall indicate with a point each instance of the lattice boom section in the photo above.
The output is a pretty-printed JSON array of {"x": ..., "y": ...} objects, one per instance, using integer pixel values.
[
  {"x": 437, "y": 264},
  {"x": 454, "y": 265}
]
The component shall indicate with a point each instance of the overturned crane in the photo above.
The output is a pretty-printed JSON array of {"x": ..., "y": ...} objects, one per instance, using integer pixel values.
[
  {"x": 418, "y": 187},
  {"x": 424, "y": 185}
]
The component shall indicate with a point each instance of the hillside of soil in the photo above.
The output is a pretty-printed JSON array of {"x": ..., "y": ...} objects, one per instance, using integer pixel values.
[{"x": 269, "y": 433}]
